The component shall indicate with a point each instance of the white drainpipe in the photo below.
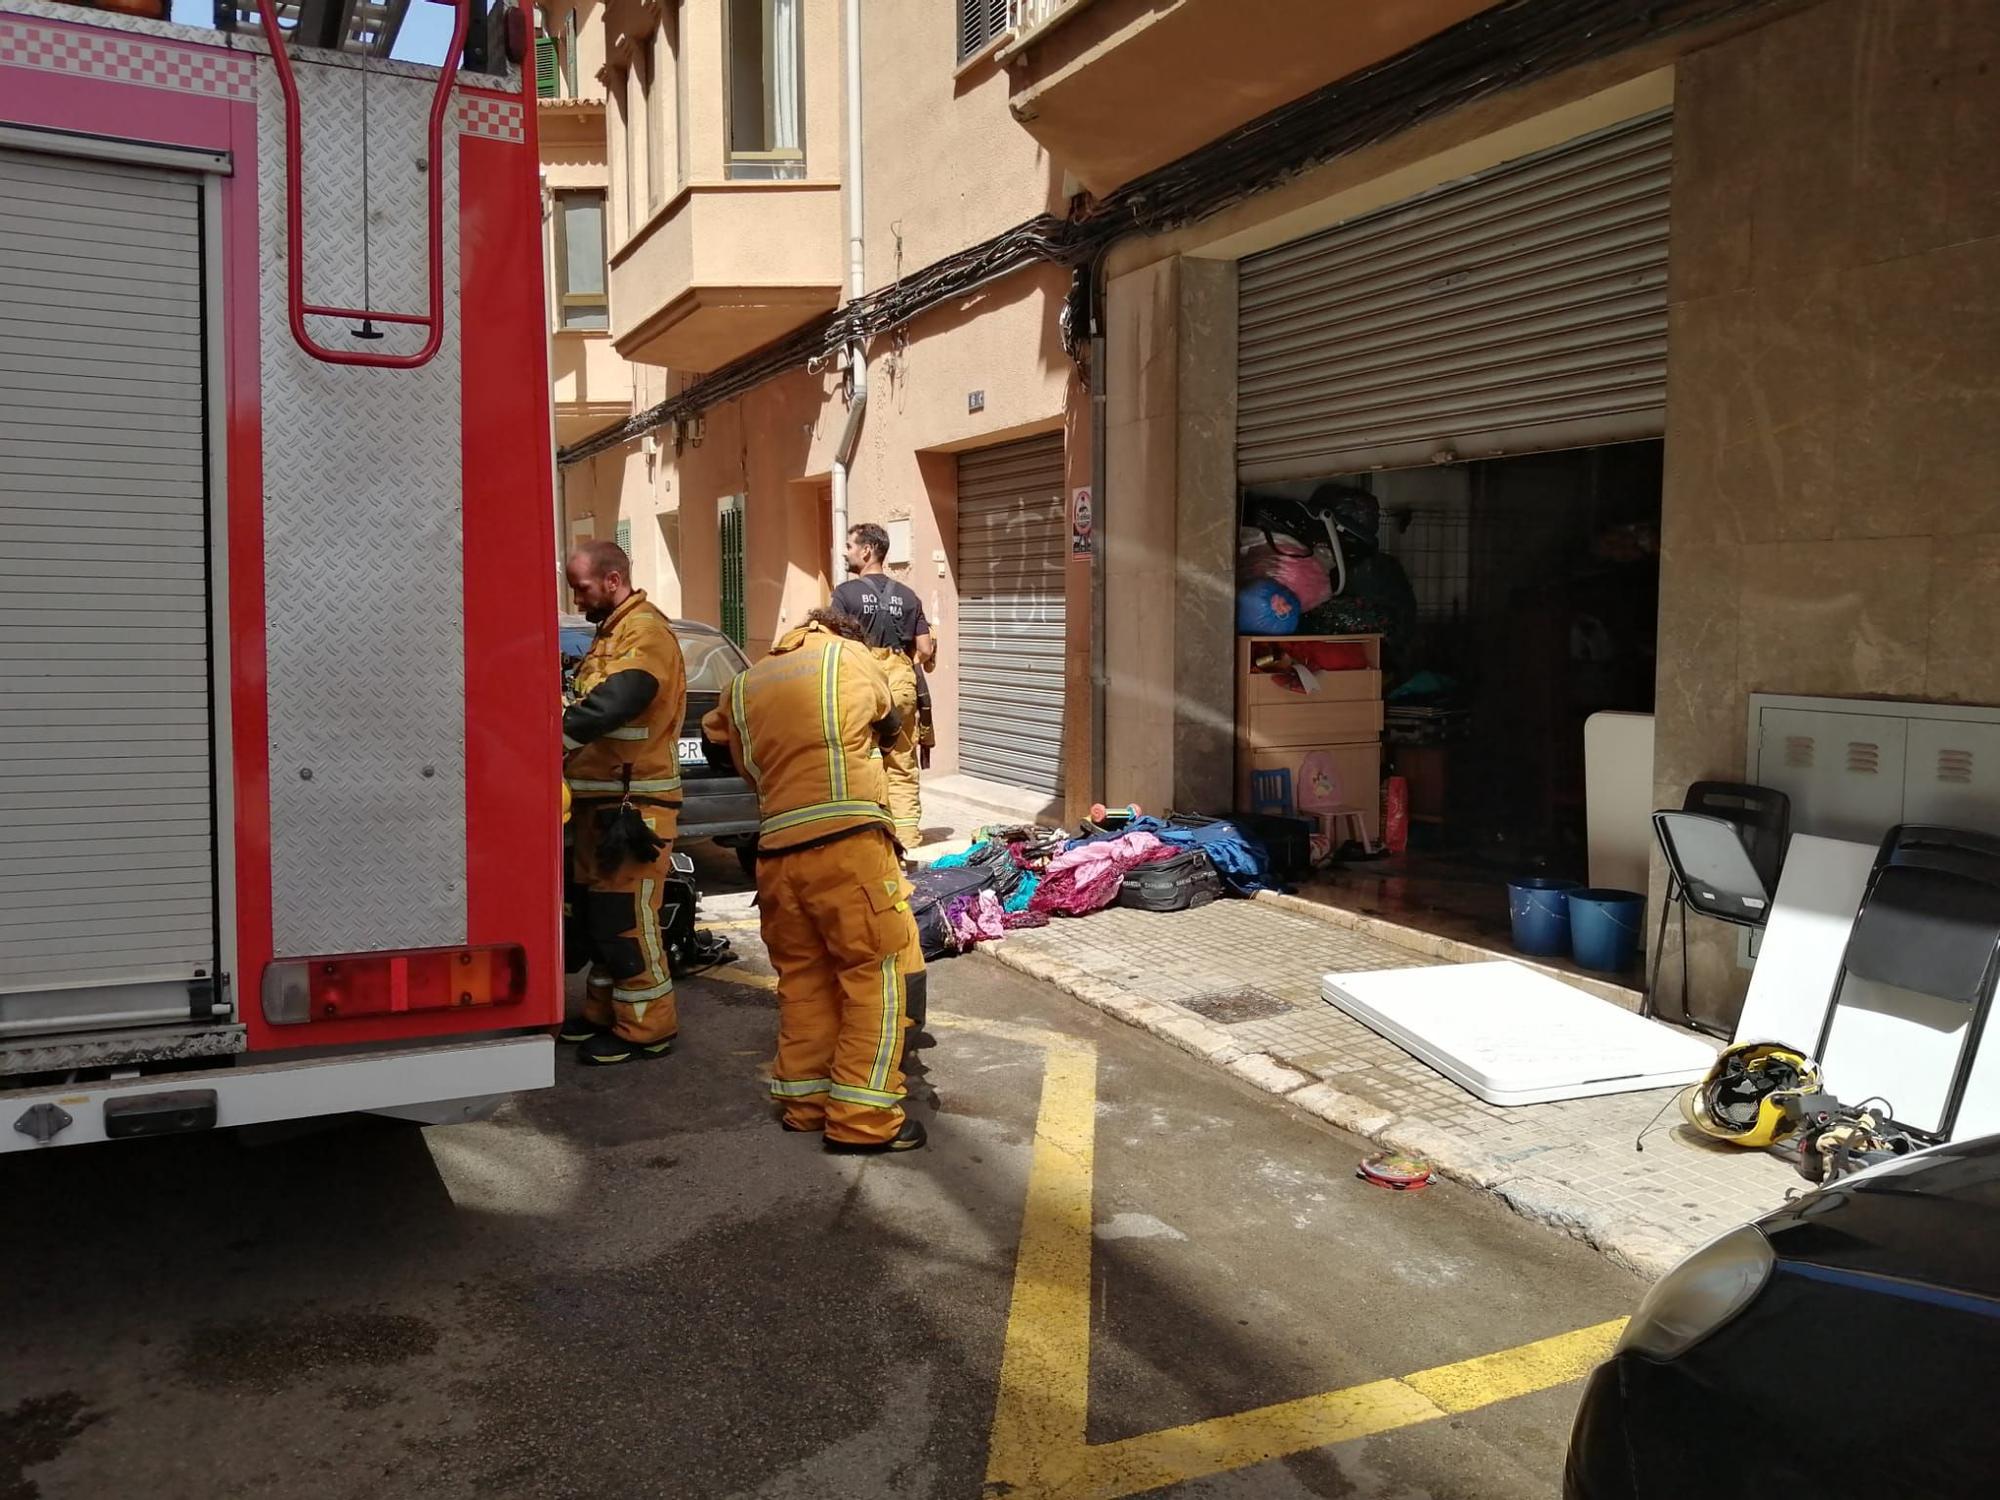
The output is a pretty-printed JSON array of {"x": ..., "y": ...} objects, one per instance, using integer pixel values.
[{"x": 857, "y": 355}]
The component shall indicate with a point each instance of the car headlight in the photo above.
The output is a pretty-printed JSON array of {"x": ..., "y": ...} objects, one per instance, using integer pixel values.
[{"x": 1700, "y": 1295}]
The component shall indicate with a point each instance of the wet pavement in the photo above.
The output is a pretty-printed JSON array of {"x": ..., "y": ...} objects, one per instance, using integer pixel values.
[{"x": 634, "y": 1284}]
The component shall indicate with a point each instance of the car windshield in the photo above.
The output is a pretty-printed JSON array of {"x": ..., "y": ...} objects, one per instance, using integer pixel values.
[
  {"x": 712, "y": 658},
  {"x": 712, "y": 661}
]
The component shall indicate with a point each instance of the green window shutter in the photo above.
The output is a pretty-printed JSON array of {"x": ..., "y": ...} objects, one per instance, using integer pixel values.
[
  {"x": 730, "y": 526},
  {"x": 547, "y": 68}
]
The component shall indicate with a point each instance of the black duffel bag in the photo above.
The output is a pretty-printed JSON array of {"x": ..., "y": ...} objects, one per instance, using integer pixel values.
[
  {"x": 995, "y": 860},
  {"x": 932, "y": 892},
  {"x": 1171, "y": 884}
]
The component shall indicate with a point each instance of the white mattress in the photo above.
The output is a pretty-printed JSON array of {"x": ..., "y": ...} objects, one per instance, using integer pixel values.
[{"x": 1511, "y": 1035}]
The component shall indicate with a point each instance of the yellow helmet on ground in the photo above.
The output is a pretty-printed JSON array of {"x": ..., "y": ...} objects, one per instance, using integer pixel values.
[{"x": 1744, "y": 1097}]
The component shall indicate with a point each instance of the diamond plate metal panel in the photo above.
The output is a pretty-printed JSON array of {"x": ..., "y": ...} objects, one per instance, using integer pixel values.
[{"x": 363, "y": 541}]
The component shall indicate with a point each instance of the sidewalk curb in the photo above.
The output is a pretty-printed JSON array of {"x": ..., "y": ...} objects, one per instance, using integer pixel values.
[{"x": 1534, "y": 1188}]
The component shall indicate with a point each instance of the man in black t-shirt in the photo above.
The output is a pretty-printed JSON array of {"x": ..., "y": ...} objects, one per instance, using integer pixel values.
[{"x": 893, "y": 624}]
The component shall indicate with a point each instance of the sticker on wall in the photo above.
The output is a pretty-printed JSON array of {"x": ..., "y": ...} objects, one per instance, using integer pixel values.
[{"x": 1082, "y": 537}]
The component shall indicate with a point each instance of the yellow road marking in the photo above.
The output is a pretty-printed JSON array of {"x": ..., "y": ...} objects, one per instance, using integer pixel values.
[
  {"x": 1038, "y": 1425},
  {"x": 1254, "y": 1437},
  {"x": 737, "y": 974},
  {"x": 1013, "y": 1031},
  {"x": 733, "y": 924},
  {"x": 1039, "y": 1448},
  {"x": 1520, "y": 1371}
]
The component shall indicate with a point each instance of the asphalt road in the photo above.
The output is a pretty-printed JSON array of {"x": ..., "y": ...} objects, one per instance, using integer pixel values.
[{"x": 635, "y": 1285}]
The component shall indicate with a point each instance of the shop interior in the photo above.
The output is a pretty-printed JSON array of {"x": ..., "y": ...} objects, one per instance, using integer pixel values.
[{"x": 1532, "y": 604}]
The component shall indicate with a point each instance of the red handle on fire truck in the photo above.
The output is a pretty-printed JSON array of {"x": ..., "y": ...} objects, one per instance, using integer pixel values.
[{"x": 432, "y": 319}]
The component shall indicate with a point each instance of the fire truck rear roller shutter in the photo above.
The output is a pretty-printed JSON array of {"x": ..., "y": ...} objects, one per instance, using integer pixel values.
[{"x": 106, "y": 836}]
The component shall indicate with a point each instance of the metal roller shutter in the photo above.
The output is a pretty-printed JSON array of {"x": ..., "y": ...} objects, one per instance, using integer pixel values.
[
  {"x": 1010, "y": 613},
  {"x": 106, "y": 832},
  {"x": 1524, "y": 309}
]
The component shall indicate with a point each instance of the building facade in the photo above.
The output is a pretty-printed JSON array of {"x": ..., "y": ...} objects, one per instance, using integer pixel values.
[
  {"x": 723, "y": 165},
  {"x": 1663, "y": 336}
]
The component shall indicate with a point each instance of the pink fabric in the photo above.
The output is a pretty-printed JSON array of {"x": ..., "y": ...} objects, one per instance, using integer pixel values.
[
  {"x": 1086, "y": 878},
  {"x": 1306, "y": 577},
  {"x": 979, "y": 920}
]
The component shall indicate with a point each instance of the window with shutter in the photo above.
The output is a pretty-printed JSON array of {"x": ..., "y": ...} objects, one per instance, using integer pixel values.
[
  {"x": 625, "y": 537},
  {"x": 548, "y": 69},
  {"x": 581, "y": 300},
  {"x": 980, "y": 24}
]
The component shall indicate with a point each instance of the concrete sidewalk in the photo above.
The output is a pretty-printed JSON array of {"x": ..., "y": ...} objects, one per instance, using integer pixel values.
[
  {"x": 1237, "y": 983},
  {"x": 955, "y": 807}
]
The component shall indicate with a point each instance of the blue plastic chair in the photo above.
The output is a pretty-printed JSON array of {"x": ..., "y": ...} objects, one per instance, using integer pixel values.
[{"x": 1271, "y": 793}]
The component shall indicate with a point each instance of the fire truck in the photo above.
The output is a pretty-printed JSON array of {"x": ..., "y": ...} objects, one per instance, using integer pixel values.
[{"x": 280, "y": 832}]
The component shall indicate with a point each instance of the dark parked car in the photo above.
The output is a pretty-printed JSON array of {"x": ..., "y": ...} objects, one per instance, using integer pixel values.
[
  {"x": 1847, "y": 1345},
  {"x": 716, "y": 804}
]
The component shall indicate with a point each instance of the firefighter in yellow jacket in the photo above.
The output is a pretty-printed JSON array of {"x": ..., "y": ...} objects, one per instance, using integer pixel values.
[
  {"x": 805, "y": 727},
  {"x": 621, "y": 735}
]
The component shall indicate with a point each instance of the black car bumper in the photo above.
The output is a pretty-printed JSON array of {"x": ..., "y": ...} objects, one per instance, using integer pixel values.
[
  {"x": 1599, "y": 1466},
  {"x": 714, "y": 807}
]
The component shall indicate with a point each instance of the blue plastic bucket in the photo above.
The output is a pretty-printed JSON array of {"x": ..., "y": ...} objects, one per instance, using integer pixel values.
[
  {"x": 1540, "y": 909},
  {"x": 1605, "y": 928}
]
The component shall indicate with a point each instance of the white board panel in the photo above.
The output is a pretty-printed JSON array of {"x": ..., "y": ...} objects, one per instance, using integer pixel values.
[
  {"x": 1799, "y": 956},
  {"x": 1898, "y": 1046},
  {"x": 1979, "y": 1110},
  {"x": 1511, "y": 1035},
  {"x": 1618, "y": 799}
]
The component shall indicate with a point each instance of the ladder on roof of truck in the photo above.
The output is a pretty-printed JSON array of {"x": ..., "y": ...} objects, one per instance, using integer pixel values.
[{"x": 367, "y": 28}]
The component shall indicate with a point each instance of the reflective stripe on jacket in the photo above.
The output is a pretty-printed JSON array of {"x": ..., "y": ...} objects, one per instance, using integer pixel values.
[
  {"x": 801, "y": 727},
  {"x": 636, "y": 637}
]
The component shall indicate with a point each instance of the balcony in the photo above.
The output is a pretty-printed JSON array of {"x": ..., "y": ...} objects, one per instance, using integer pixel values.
[
  {"x": 593, "y": 385},
  {"x": 1116, "y": 88},
  {"x": 725, "y": 177},
  {"x": 724, "y": 269}
]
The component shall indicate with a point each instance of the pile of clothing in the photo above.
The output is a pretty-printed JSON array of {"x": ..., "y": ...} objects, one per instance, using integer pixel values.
[{"x": 1015, "y": 877}]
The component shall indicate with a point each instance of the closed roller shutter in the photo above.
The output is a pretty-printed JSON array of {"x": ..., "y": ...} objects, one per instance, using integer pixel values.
[
  {"x": 1010, "y": 613},
  {"x": 106, "y": 858},
  {"x": 1523, "y": 310}
]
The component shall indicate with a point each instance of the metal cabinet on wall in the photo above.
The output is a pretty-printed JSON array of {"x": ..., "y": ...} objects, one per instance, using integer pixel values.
[{"x": 1855, "y": 768}]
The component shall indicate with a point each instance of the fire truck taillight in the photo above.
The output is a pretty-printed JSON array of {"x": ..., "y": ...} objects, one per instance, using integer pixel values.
[{"x": 414, "y": 981}]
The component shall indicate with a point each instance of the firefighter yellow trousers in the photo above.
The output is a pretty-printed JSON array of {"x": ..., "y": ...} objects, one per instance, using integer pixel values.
[
  {"x": 615, "y": 923},
  {"x": 899, "y": 759},
  {"x": 836, "y": 920}
]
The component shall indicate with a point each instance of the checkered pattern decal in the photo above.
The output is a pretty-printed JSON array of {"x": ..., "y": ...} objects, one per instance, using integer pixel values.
[
  {"x": 190, "y": 70},
  {"x": 90, "y": 54},
  {"x": 496, "y": 119}
]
